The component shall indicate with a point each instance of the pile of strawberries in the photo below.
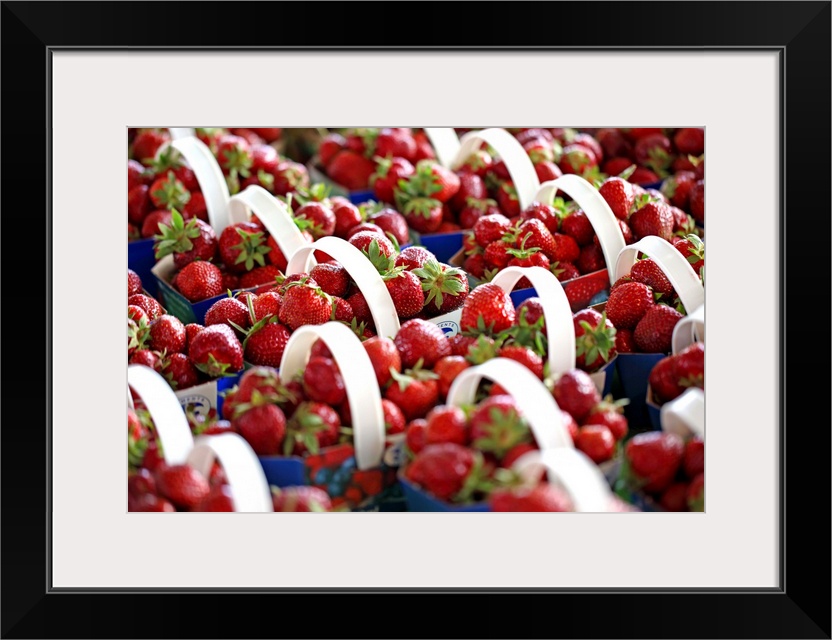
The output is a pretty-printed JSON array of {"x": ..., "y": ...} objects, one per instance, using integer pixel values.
[{"x": 676, "y": 373}]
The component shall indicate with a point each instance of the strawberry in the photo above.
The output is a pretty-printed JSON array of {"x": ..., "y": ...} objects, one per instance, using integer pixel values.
[
  {"x": 648, "y": 272},
  {"x": 643, "y": 175},
  {"x": 653, "y": 459},
  {"x": 496, "y": 426},
  {"x": 690, "y": 141},
  {"x": 414, "y": 257},
  {"x": 394, "y": 422},
  {"x": 654, "y": 151},
  {"x": 524, "y": 356},
  {"x": 241, "y": 246},
  {"x": 196, "y": 207},
  {"x": 360, "y": 308},
  {"x": 168, "y": 193},
  {"x": 373, "y": 246},
  {"x": 693, "y": 459},
  {"x": 696, "y": 493},
  {"x": 448, "y": 471},
  {"x": 386, "y": 177},
  {"x": 445, "y": 288},
  {"x": 576, "y": 394},
  {"x": 414, "y": 435},
  {"x": 261, "y": 424},
  {"x": 288, "y": 177},
  {"x": 320, "y": 219},
  {"x": 395, "y": 143},
  {"x": 227, "y": 311},
  {"x": 594, "y": 339},
  {"x": 149, "y": 305},
  {"x": 663, "y": 381},
  {"x": 419, "y": 339},
  {"x": 581, "y": 292},
  {"x": 405, "y": 290},
  {"x": 591, "y": 259},
  {"x": 564, "y": 271},
  {"x": 182, "y": 485},
  {"x": 216, "y": 351},
  {"x": 179, "y": 371},
  {"x": 415, "y": 392},
  {"x": 194, "y": 240},
  {"x": 218, "y": 500},
  {"x": 332, "y": 278},
  {"x": 611, "y": 418},
  {"x": 578, "y": 159},
  {"x": 351, "y": 170},
  {"x": 689, "y": 366},
  {"x": 613, "y": 142},
  {"x": 266, "y": 342},
  {"x": 675, "y": 497},
  {"x": 148, "y": 358},
  {"x": 487, "y": 308},
  {"x": 151, "y": 225},
  {"x": 300, "y": 499},
  {"x": 134, "y": 283},
  {"x": 446, "y": 424},
  {"x": 497, "y": 254},
  {"x": 191, "y": 330},
  {"x": 322, "y": 381},
  {"x": 652, "y": 219},
  {"x": 384, "y": 357},
  {"x": 312, "y": 427},
  {"x": 692, "y": 247},
  {"x": 533, "y": 234},
  {"x": 365, "y": 226},
  {"x": 199, "y": 281},
  {"x": 167, "y": 333},
  {"x": 448, "y": 368},
  {"x": 475, "y": 265},
  {"x": 436, "y": 181},
  {"x": 677, "y": 188},
  {"x": 259, "y": 276},
  {"x": 146, "y": 144},
  {"x": 305, "y": 303},
  {"x": 697, "y": 201},
  {"x": 654, "y": 331},
  {"x": 475, "y": 209},
  {"x": 544, "y": 213},
  {"x": 234, "y": 155},
  {"x": 331, "y": 144},
  {"x": 539, "y": 498},
  {"x": 471, "y": 187},
  {"x": 392, "y": 223},
  {"x": 478, "y": 163},
  {"x": 150, "y": 502},
  {"x": 578, "y": 226},
  {"x": 507, "y": 198},
  {"x": 619, "y": 196},
  {"x": 628, "y": 303},
  {"x": 596, "y": 441},
  {"x": 347, "y": 215},
  {"x": 140, "y": 482},
  {"x": 460, "y": 344}
]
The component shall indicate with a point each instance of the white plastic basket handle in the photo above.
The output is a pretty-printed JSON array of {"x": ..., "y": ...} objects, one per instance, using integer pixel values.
[
  {"x": 689, "y": 329},
  {"x": 210, "y": 178},
  {"x": 571, "y": 470},
  {"x": 536, "y": 401},
  {"x": 362, "y": 272},
  {"x": 274, "y": 215},
  {"x": 357, "y": 372},
  {"x": 169, "y": 419},
  {"x": 672, "y": 263},
  {"x": 249, "y": 488},
  {"x": 560, "y": 330},
  {"x": 177, "y": 133},
  {"x": 511, "y": 152},
  {"x": 600, "y": 216},
  {"x": 445, "y": 143},
  {"x": 685, "y": 416}
]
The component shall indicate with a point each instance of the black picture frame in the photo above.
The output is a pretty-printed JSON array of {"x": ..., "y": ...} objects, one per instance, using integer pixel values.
[{"x": 799, "y": 608}]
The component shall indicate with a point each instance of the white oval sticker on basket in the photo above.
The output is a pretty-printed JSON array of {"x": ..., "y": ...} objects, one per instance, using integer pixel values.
[
  {"x": 169, "y": 419},
  {"x": 210, "y": 177},
  {"x": 689, "y": 329},
  {"x": 445, "y": 143},
  {"x": 574, "y": 472},
  {"x": 177, "y": 133},
  {"x": 362, "y": 272},
  {"x": 274, "y": 215},
  {"x": 359, "y": 379},
  {"x": 534, "y": 399},
  {"x": 511, "y": 152},
  {"x": 672, "y": 263},
  {"x": 560, "y": 330},
  {"x": 685, "y": 416},
  {"x": 249, "y": 488},
  {"x": 592, "y": 203}
]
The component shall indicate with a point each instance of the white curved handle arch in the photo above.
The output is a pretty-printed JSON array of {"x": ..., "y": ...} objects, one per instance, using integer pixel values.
[
  {"x": 685, "y": 416},
  {"x": 357, "y": 372},
  {"x": 169, "y": 419},
  {"x": 538, "y": 405},
  {"x": 445, "y": 143},
  {"x": 249, "y": 488},
  {"x": 511, "y": 152},
  {"x": 689, "y": 329},
  {"x": 560, "y": 329},
  {"x": 210, "y": 178},
  {"x": 672, "y": 263},
  {"x": 362, "y": 272},
  {"x": 571, "y": 470},
  {"x": 600, "y": 216},
  {"x": 274, "y": 215},
  {"x": 177, "y": 133}
]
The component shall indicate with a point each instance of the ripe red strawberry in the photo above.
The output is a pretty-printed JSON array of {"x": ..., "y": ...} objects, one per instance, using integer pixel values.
[
  {"x": 385, "y": 179},
  {"x": 331, "y": 144},
  {"x": 697, "y": 201},
  {"x": 149, "y": 502},
  {"x": 489, "y": 308},
  {"x": 497, "y": 254},
  {"x": 654, "y": 458},
  {"x": 342, "y": 311},
  {"x": 594, "y": 339},
  {"x": 199, "y": 281},
  {"x": 619, "y": 196},
  {"x": 288, "y": 177},
  {"x": 312, "y": 427},
  {"x": 322, "y": 381},
  {"x": 654, "y": 331},
  {"x": 628, "y": 303},
  {"x": 497, "y": 425},
  {"x": 475, "y": 265},
  {"x": 436, "y": 181},
  {"x": 507, "y": 199},
  {"x": 675, "y": 497},
  {"x": 183, "y": 485},
  {"x": 677, "y": 188},
  {"x": 169, "y": 193},
  {"x": 305, "y": 303},
  {"x": 689, "y": 366},
  {"x": 448, "y": 368},
  {"x": 134, "y": 283},
  {"x": 445, "y": 288},
  {"x": 474, "y": 209},
  {"x": 146, "y": 144},
  {"x": 265, "y": 344},
  {"x": 596, "y": 441},
  {"x": 692, "y": 247},
  {"x": 319, "y": 219},
  {"x": 260, "y": 276},
  {"x": 534, "y": 234},
  {"x": 351, "y": 170},
  {"x": 415, "y": 393},
  {"x": 471, "y": 186},
  {"x": 643, "y": 175},
  {"x": 167, "y": 333},
  {"x": 393, "y": 223},
  {"x": 648, "y": 272},
  {"x": 218, "y": 500},
  {"x": 448, "y": 471},
  {"x": 151, "y": 223},
  {"x": 263, "y": 426},
  {"x": 373, "y": 245},
  {"x": 578, "y": 226},
  {"x": 423, "y": 214},
  {"x": 446, "y": 424},
  {"x": 148, "y": 358},
  {"x": 663, "y": 381},
  {"x": 179, "y": 371},
  {"x": 652, "y": 219},
  {"x": 413, "y": 257},
  {"x": 696, "y": 493},
  {"x": 384, "y": 356},
  {"x": 581, "y": 291},
  {"x": 460, "y": 344},
  {"x": 693, "y": 460},
  {"x": 414, "y": 434},
  {"x": 264, "y": 157},
  {"x": 405, "y": 290},
  {"x": 577, "y": 158},
  {"x": 194, "y": 240},
  {"x": 191, "y": 329},
  {"x": 544, "y": 213},
  {"x": 419, "y": 339},
  {"x": 591, "y": 259},
  {"x": 539, "y": 498},
  {"x": 230, "y": 282},
  {"x": 332, "y": 278},
  {"x": 242, "y": 246},
  {"x": 394, "y": 422},
  {"x": 216, "y": 350},
  {"x": 690, "y": 141},
  {"x": 564, "y": 271},
  {"x": 301, "y": 498},
  {"x": 347, "y": 215},
  {"x": 612, "y": 418},
  {"x": 227, "y": 311},
  {"x": 613, "y": 142},
  {"x": 624, "y": 341},
  {"x": 366, "y": 226},
  {"x": 576, "y": 394},
  {"x": 149, "y": 305},
  {"x": 395, "y": 143},
  {"x": 524, "y": 356},
  {"x": 360, "y": 308}
]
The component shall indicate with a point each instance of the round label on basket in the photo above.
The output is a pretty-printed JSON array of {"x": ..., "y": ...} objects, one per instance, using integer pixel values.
[
  {"x": 450, "y": 327},
  {"x": 394, "y": 454},
  {"x": 199, "y": 404}
]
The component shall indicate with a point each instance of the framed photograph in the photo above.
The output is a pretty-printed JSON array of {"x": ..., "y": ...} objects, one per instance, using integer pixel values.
[{"x": 755, "y": 75}]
